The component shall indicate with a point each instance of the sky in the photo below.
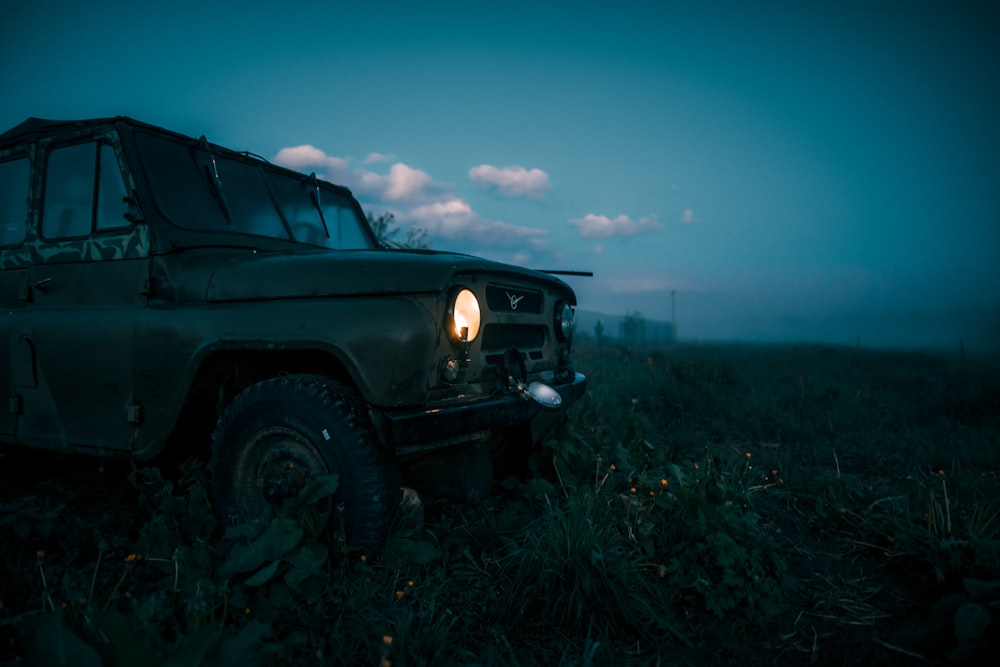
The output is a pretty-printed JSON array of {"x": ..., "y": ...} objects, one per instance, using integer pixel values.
[{"x": 767, "y": 171}]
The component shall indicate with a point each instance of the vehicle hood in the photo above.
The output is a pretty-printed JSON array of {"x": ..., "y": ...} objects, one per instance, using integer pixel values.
[{"x": 320, "y": 273}]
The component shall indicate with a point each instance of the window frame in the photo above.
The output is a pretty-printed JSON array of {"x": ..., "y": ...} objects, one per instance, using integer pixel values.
[
  {"x": 11, "y": 157},
  {"x": 102, "y": 149}
]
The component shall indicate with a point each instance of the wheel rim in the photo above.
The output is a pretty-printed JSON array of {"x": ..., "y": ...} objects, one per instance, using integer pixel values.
[{"x": 276, "y": 464}]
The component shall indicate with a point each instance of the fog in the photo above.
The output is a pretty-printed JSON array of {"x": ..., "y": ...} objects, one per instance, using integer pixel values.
[{"x": 722, "y": 317}]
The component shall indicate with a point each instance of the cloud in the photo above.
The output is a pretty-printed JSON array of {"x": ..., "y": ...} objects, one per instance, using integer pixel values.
[
  {"x": 512, "y": 181},
  {"x": 403, "y": 184},
  {"x": 454, "y": 219},
  {"x": 374, "y": 158},
  {"x": 602, "y": 227},
  {"x": 309, "y": 158},
  {"x": 406, "y": 183},
  {"x": 688, "y": 217}
]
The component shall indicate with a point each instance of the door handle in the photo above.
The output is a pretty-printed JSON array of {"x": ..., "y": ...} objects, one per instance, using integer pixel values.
[{"x": 42, "y": 285}]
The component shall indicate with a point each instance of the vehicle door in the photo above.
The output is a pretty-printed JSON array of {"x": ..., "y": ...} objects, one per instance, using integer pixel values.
[
  {"x": 15, "y": 183},
  {"x": 88, "y": 284}
]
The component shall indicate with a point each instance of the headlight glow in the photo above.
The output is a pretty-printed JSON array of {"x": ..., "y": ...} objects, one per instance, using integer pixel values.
[{"x": 464, "y": 315}]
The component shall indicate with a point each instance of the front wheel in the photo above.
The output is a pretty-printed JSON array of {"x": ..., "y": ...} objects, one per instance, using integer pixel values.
[{"x": 279, "y": 433}]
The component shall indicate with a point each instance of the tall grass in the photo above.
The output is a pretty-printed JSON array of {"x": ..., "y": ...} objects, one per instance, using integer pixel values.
[{"x": 702, "y": 504}]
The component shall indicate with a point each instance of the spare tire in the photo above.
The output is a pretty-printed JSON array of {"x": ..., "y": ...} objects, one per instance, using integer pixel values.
[{"x": 279, "y": 433}]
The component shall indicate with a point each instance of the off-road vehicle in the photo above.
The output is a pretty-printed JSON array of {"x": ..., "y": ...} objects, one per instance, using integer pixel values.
[{"x": 157, "y": 288}]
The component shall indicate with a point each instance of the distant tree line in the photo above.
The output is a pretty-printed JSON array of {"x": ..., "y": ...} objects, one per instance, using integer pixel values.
[
  {"x": 635, "y": 331},
  {"x": 388, "y": 231}
]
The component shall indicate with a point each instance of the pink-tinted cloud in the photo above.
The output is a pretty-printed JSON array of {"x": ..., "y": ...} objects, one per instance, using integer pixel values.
[
  {"x": 309, "y": 158},
  {"x": 688, "y": 217},
  {"x": 514, "y": 181},
  {"x": 403, "y": 184},
  {"x": 406, "y": 183},
  {"x": 593, "y": 226},
  {"x": 454, "y": 219}
]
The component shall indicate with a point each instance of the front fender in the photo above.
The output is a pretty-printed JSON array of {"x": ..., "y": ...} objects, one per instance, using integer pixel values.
[{"x": 385, "y": 345}]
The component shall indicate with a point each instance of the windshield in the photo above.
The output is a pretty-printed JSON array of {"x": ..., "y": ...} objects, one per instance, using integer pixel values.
[{"x": 201, "y": 189}]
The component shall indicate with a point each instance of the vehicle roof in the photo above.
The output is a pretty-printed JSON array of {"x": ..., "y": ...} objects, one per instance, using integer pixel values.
[{"x": 33, "y": 128}]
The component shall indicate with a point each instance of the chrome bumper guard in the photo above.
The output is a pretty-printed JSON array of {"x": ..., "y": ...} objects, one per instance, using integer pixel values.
[{"x": 515, "y": 407}]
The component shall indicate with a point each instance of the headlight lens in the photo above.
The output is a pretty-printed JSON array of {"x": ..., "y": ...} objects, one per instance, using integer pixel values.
[
  {"x": 464, "y": 315},
  {"x": 564, "y": 321}
]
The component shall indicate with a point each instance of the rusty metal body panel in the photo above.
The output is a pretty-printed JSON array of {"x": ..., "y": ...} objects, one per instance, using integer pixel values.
[{"x": 124, "y": 319}]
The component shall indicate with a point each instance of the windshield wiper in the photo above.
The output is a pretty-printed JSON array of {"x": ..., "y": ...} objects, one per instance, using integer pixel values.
[
  {"x": 215, "y": 181},
  {"x": 314, "y": 195}
]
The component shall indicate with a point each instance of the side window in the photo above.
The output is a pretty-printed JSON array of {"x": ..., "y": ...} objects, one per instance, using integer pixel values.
[
  {"x": 83, "y": 192},
  {"x": 13, "y": 201}
]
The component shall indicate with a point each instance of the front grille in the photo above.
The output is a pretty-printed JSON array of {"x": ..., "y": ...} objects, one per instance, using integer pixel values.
[
  {"x": 506, "y": 299},
  {"x": 497, "y": 357},
  {"x": 518, "y": 336}
]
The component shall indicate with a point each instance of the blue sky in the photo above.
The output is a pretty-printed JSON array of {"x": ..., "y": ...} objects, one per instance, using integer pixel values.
[{"x": 790, "y": 169}]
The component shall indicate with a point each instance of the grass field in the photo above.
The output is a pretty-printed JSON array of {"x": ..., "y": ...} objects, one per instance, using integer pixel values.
[{"x": 703, "y": 504}]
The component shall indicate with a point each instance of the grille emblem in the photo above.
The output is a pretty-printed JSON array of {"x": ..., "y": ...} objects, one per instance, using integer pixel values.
[{"x": 514, "y": 300}]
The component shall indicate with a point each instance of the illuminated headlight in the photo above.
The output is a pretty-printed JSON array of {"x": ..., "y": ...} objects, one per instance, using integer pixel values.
[
  {"x": 564, "y": 321},
  {"x": 463, "y": 316}
]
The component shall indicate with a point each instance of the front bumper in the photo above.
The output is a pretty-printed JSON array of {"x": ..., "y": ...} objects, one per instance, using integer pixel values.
[{"x": 440, "y": 425}]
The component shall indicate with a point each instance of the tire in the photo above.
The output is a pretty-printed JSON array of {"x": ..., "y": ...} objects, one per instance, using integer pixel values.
[{"x": 279, "y": 433}]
